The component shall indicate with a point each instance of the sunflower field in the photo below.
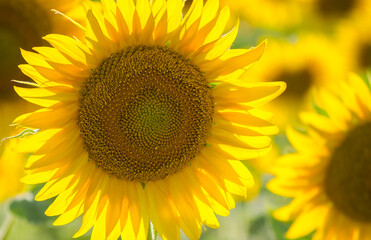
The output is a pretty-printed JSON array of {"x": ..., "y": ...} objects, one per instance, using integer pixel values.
[{"x": 185, "y": 119}]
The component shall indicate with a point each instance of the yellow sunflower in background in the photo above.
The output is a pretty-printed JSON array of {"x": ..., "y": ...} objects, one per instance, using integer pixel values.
[
  {"x": 11, "y": 163},
  {"x": 354, "y": 40},
  {"x": 145, "y": 119},
  {"x": 22, "y": 24},
  {"x": 11, "y": 170},
  {"x": 325, "y": 13},
  {"x": 306, "y": 62},
  {"x": 329, "y": 175},
  {"x": 270, "y": 14}
]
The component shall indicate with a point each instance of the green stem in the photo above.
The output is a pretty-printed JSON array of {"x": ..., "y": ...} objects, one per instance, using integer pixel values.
[{"x": 5, "y": 230}]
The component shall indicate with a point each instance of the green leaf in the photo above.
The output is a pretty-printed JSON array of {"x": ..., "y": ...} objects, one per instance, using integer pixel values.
[
  {"x": 280, "y": 229},
  {"x": 319, "y": 110},
  {"x": 283, "y": 144},
  {"x": 32, "y": 211}
]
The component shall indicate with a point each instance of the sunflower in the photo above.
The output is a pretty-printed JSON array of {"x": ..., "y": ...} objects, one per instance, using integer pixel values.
[
  {"x": 308, "y": 62},
  {"x": 22, "y": 24},
  {"x": 11, "y": 163},
  {"x": 269, "y": 14},
  {"x": 354, "y": 40},
  {"x": 329, "y": 175},
  {"x": 325, "y": 13},
  {"x": 11, "y": 171},
  {"x": 145, "y": 119}
]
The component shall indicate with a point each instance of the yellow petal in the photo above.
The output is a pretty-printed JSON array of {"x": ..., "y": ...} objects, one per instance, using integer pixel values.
[
  {"x": 189, "y": 217},
  {"x": 99, "y": 230},
  {"x": 127, "y": 9},
  {"x": 69, "y": 216},
  {"x": 209, "y": 12},
  {"x": 205, "y": 209},
  {"x": 33, "y": 143},
  {"x": 253, "y": 94},
  {"x": 338, "y": 113},
  {"x": 38, "y": 177},
  {"x": 61, "y": 202},
  {"x": 114, "y": 205},
  {"x": 89, "y": 216},
  {"x": 243, "y": 153},
  {"x": 53, "y": 77},
  {"x": 161, "y": 213},
  {"x": 215, "y": 191},
  {"x": 96, "y": 24},
  {"x": 232, "y": 61},
  {"x": 193, "y": 14},
  {"x": 319, "y": 122},
  {"x": 68, "y": 47},
  {"x": 144, "y": 11},
  {"x": 307, "y": 222},
  {"x": 46, "y": 96},
  {"x": 223, "y": 44},
  {"x": 53, "y": 117},
  {"x": 248, "y": 120},
  {"x": 174, "y": 14},
  {"x": 305, "y": 143},
  {"x": 34, "y": 58},
  {"x": 292, "y": 210},
  {"x": 221, "y": 23},
  {"x": 41, "y": 80},
  {"x": 362, "y": 90}
]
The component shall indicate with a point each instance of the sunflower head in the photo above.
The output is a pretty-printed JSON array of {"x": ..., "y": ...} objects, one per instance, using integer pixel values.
[
  {"x": 145, "y": 119},
  {"x": 308, "y": 62},
  {"x": 328, "y": 176},
  {"x": 23, "y": 23},
  {"x": 332, "y": 13},
  {"x": 336, "y": 8},
  {"x": 140, "y": 121},
  {"x": 270, "y": 14},
  {"x": 355, "y": 43}
]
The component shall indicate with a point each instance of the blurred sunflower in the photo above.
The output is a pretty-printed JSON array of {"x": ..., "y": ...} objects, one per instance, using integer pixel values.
[
  {"x": 354, "y": 40},
  {"x": 311, "y": 61},
  {"x": 145, "y": 119},
  {"x": 269, "y": 14},
  {"x": 11, "y": 163},
  {"x": 329, "y": 175},
  {"x": 328, "y": 12},
  {"x": 22, "y": 24},
  {"x": 11, "y": 170}
]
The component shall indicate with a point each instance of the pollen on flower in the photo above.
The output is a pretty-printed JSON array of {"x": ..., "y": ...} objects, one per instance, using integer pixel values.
[
  {"x": 348, "y": 179},
  {"x": 145, "y": 113}
]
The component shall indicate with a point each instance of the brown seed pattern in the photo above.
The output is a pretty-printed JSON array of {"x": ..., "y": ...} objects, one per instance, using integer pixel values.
[
  {"x": 145, "y": 113},
  {"x": 348, "y": 179}
]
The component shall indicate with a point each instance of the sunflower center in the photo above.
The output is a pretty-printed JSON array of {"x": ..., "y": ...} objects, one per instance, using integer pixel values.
[
  {"x": 298, "y": 82},
  {"x": 145, "y": 113},
  {"x": 22, "y": 24},
  {"x": 336, "y": 7},
  {"x": 365, "y": 55},
  {"x": 348, "y": 179}
]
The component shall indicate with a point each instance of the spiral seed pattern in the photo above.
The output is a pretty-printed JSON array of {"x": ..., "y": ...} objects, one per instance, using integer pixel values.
[{"x": 145, "y": 113}]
